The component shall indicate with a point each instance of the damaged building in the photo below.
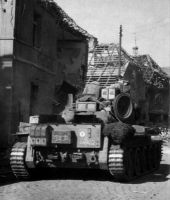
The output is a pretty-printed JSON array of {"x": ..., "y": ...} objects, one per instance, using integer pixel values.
[
  {"x": 157, "y": 89},
  {"x": 149, "y": 85},
  {"x": 43, "y": 57}
]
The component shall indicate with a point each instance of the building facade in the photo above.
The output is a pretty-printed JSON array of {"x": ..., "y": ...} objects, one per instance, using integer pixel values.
[{"x": 41, "y": 51}]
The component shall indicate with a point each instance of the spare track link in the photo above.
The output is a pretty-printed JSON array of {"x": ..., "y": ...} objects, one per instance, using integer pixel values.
[
  {"x": 119, "y": 157},
  {"x": 17, "y": 160}
]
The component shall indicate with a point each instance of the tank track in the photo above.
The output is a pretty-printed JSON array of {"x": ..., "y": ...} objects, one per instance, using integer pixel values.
[
  {"x": 115, "y": 160},
  {"x": 128, "y": 163},
  {"x": 17, "y": 160}
]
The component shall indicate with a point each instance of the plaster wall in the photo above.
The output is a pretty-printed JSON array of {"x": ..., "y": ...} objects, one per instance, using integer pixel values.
[{"x": 31, "y": 63}]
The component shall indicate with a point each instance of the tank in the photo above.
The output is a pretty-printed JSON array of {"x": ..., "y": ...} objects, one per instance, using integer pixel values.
[{"x": 95, "y": 132}]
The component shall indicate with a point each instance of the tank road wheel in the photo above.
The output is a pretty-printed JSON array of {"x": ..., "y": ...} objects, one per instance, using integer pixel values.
[
  {"x": 153, "y": 156},
  {"x": 158, "y": 152},
  {"x": 137, "y": 162},
  {"x": 149, "y": 158},
  {"x": 128, "y": 164},
  {"x": 17, "y": 160},
  {"x": 143, "y": 160},
  {"x": 115, "y": 161}
]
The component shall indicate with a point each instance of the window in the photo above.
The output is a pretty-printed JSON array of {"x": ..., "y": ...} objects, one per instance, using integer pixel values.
[
  {"x": 33, "y": 98},
  {"x": 158, "y": 100},
  {"x": 37, "y": 30}
]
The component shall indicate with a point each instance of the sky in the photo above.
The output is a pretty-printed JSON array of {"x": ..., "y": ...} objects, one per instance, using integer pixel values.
[{"x": 146, "y": 20}]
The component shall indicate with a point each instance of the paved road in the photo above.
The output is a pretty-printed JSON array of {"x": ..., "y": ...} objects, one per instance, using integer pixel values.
[{"x": 84, "y": 185}]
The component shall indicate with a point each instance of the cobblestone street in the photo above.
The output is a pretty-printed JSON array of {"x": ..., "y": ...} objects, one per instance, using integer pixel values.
[{"x": 91, "y": 185}]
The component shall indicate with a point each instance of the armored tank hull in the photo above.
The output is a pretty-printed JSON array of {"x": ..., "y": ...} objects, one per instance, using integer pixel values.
[{"x": 85, "y": 146}]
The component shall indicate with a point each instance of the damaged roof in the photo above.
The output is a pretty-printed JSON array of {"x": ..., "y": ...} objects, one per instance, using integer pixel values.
[
  {"x": 166, "y": 70},
  {"x": 152, "y": 72},
  {"x": 64, "y": 20},
  {"x": 103, "y": 66}
]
